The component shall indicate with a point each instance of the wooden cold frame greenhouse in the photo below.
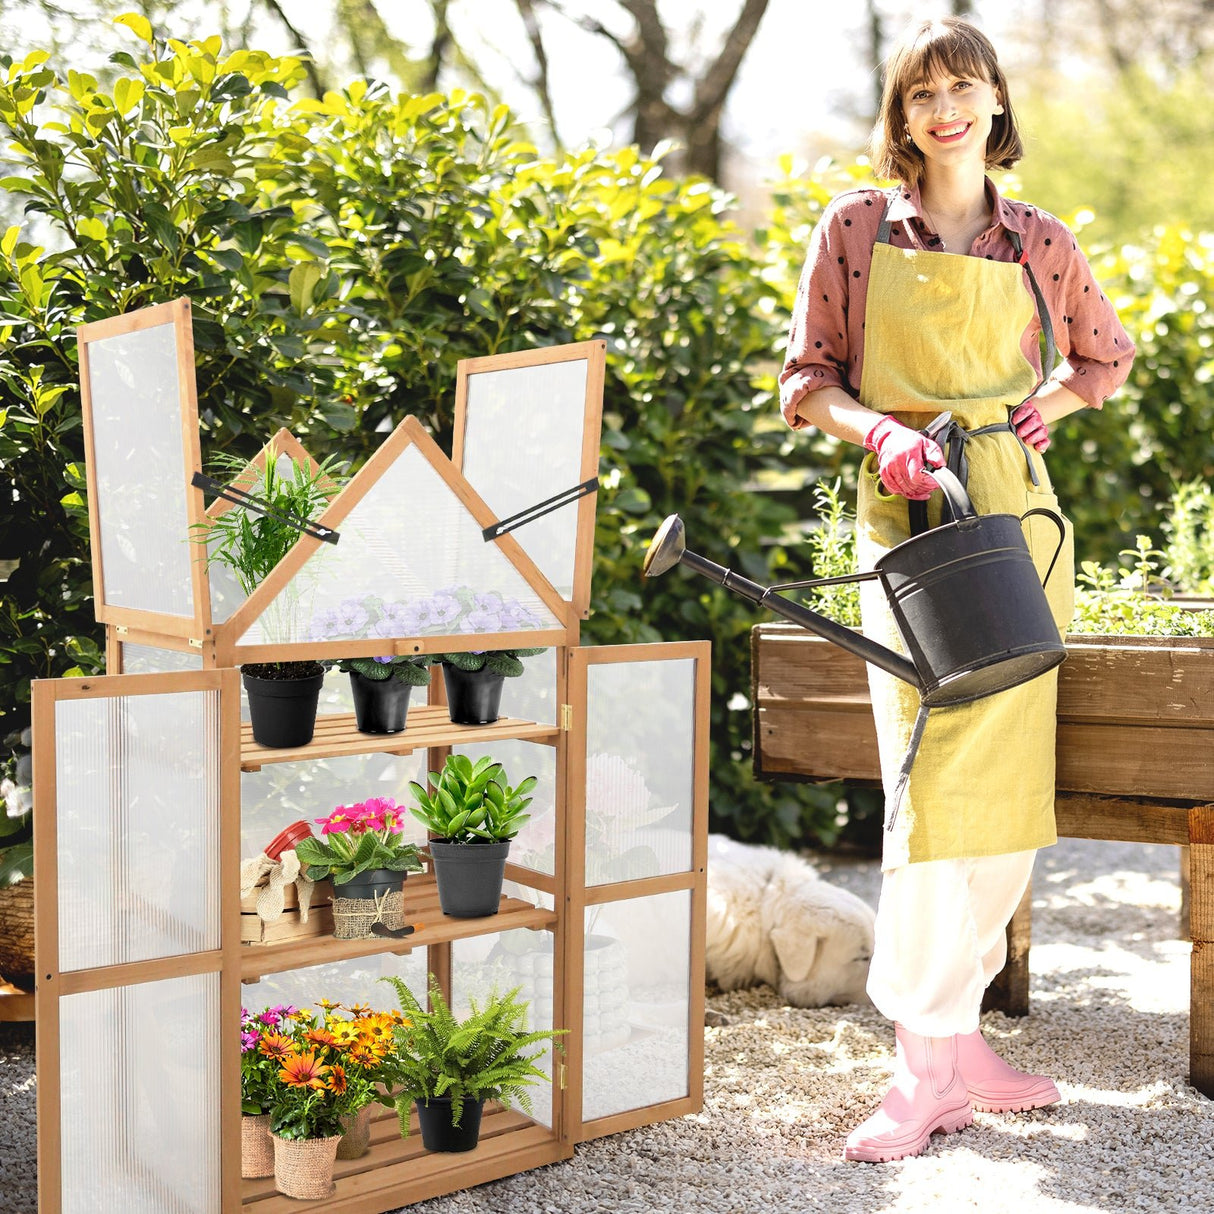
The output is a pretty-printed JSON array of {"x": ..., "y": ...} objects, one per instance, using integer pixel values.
[{"x": 150, "y": 791}]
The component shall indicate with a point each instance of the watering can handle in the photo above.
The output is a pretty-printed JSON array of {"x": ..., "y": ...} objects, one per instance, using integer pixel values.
[
  {"x": 959, "y": 504},
  {"x": 1056, "y": 519}
]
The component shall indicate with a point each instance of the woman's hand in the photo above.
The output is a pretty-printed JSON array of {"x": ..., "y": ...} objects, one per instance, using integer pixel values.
[
  {"x": 903, "y": 458},
  {"x": 1030, "y": 426}
]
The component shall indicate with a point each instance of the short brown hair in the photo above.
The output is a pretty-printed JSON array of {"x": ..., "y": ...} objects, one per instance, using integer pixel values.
[{"x": 949, "y": 46}]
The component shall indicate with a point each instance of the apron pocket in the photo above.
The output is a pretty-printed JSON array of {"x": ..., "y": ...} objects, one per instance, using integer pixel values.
[{"x": 1041, "y": 535}]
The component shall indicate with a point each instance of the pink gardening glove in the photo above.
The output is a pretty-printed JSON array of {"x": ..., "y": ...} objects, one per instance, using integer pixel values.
[
  {"x": 1027, "y": 422},
  {"x": 902, "y": 456}
]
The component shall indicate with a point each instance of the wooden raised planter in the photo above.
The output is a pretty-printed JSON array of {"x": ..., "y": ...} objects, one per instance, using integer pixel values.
[
  {"x": 1135, "y": 759},
  {"x": 1135, "y": 714}
]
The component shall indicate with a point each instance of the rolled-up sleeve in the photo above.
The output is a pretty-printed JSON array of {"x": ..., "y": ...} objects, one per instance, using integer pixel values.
[
  {"x": 1097, "y": 351},
  {"x": 817, "y": 351}
]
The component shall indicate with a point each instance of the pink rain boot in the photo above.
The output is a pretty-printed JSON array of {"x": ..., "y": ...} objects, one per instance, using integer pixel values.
[
  {"x": 996, "y": 1087},
  {"x": 927, "y": 1095}
]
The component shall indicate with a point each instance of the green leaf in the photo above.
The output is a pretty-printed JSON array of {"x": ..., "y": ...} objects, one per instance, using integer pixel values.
[
  {"x": 138, "y": 24},
  {"x": 16, "y": 863},
  {"x": 301, "y": 283}
]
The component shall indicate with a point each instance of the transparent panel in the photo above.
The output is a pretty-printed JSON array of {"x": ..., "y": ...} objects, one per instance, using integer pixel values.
[
  {"x": 148, "y": 659},
  {"x": 410, "y": 561},
  {"x": 485, "y": 964},
  {"x": 348, "y": 983},
  {"x": 142, "y": 480},
  {"x": 282, "y": 793},
  {"x": 636, "y": 1003},
  {"x": 640, "y": 778},
  {"x": 535, "y": 845},
  {"x": 138, "y": 827},
  {"x": 139, "y": 1106},
  {"x": 538, "y": 414}
]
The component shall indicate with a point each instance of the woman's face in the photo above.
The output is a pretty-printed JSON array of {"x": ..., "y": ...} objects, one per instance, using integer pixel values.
[{"x": 949, "y": 117}]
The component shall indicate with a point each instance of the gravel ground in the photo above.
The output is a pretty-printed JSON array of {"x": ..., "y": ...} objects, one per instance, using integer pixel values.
[{"x": 784, "y": 1085}]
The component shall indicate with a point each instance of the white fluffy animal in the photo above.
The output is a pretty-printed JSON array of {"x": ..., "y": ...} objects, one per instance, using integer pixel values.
[{"x": 772, "y": 919}]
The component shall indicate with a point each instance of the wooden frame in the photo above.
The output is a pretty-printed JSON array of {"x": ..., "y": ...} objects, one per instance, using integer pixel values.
[
  {"x": 694, "y": 880},
  {"x": 595, "y": 355},
  {"x": 176, "y": 314},
  {"x": 230, "y": 651},
  {"x": 52, "y": 985}
]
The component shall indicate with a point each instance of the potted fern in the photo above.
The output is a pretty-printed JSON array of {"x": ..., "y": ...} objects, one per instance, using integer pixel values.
[
  {"x": 282, "y": 695},
  {"x": 381, "y": 688},
  {"x": 474, "y": 682},
  {"x": 447, "y": 1068},
  {"x": 474, "y": 813}
]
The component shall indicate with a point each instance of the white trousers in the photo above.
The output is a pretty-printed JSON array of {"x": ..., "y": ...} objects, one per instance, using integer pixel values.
[{"x": 941, "y": 939}]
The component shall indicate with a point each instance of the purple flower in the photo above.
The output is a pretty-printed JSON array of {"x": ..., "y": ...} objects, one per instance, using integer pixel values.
[
  {"x": 444, "y": 607},
  {"x": 352, "y": 616},
  {"x": 324, "y": 626},
  {"x": 492, "y": 601},
  {"x": 270, "y": 1016},
  {"x": 383, "y": 661},
  {"x": 478, "y": 620},
  {"x": 248, "y": 1041}
]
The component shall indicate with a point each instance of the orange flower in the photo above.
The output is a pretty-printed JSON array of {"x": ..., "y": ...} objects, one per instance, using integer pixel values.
[
  {"x": 358, "y": 1009},
  {"x": 362, "y": 1055},
  {"x": 275, "y": 1045},
  {"x": 324, "y": 1003},
  {"x": 378, "y": 1026},
  {"x": 303, "y": 1071},
  {"x": 320, "y": 1037},
  {"x": 336, "y": 1083}
]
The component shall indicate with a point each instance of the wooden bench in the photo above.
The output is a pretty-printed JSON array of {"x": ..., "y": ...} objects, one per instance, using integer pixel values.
[{"x": 1135, "y": 763}]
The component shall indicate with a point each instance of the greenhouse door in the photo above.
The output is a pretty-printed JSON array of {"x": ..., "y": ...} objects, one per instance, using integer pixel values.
[
  {"x": 638, "y": 802},
  {"x": 136, "y": 845}
]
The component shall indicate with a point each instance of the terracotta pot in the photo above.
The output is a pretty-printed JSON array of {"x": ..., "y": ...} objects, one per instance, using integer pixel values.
[
  {"x": 256, "y": 1149},
  {"x": 356, "y": 1141},
  {"x": 303, "y": 1167}
]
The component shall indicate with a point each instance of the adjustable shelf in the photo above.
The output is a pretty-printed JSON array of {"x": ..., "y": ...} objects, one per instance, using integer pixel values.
[
  {"x": 421, "y": 908},
  {"x": 429, "y": 725},
  {"x": 398, "y": 1171}
]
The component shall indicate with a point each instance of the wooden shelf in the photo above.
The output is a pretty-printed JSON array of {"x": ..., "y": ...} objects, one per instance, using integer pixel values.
[
  {"x": 429, "y": 725},
  {"x": 421, "y": 907},
  {"x": 399, "y": 1171}
]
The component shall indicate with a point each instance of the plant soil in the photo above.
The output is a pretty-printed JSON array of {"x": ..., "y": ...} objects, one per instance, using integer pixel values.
[{"x": 282, "y": 670}]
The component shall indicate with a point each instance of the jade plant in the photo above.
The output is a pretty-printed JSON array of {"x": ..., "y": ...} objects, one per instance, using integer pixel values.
[{"x": 472, "y": 802}]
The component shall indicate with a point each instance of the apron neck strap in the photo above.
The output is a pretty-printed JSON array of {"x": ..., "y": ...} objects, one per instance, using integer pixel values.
[
  {"x": 1043, "y": 312},
  {"x": 883, "y": 229}
]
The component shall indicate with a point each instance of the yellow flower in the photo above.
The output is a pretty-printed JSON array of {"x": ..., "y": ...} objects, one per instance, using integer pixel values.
[
  {"x": 344, "y": 1032},
  {"x": 328, "y": 1007},
  {"x": 359, "y": 1009}
]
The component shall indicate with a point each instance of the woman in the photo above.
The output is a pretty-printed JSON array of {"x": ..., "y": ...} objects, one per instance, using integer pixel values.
[{"x": 916, "y": 301}]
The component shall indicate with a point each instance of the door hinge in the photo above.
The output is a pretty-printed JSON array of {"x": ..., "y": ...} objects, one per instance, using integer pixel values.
[
  {"x": 566, "y": 717},
  {"x": 195, "y": 644},
  {"x": 562, "y": 1076},
  {"x": 121, "y": 630}
]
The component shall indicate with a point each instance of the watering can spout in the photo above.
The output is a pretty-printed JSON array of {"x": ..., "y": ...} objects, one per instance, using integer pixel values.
[{"x": 668, "y": 548}]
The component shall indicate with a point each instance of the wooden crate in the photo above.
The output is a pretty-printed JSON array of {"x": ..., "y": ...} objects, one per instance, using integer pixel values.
[
  {"x": 1135, "y": 714},
  {"x": 253, "y": 930}
]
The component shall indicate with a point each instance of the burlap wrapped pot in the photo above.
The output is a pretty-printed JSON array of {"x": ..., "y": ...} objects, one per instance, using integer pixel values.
[
  {"x": 256, "y": 1149},
  {"x": 303, "y": 1167},
  {"x": 356, "y": 1141}
]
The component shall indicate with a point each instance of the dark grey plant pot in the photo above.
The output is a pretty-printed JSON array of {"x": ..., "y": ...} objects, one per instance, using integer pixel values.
[
  {"x": 380, "y": 706},
  {"x": 474, "y": 697},
  {"x": 369, "y": 884},
  {"x": 438, "y": 1134},
  {"x": 283, "y": 711},
  {"x": 469, "y": 877}
]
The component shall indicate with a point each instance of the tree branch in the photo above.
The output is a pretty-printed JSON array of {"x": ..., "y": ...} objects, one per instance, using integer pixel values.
[
  {"x": 713, "y": 87},
  {"x": 526, "y": 9},
  {"x": 309, "y": 59}
]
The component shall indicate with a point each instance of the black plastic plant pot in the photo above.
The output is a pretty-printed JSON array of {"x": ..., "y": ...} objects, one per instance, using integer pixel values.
[
  {"x": 380, "y": 706},
  {"x": 438, "y": 1134},
  {"x": 373, "y": 883},
  {"x": 283, "y": 711},
  {"x": 469, "y": 877},
  {"x": 473, "y": 696}
]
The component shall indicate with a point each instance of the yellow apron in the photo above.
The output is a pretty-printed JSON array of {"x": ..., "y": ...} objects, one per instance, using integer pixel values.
[{"x": 942, "y": 331}]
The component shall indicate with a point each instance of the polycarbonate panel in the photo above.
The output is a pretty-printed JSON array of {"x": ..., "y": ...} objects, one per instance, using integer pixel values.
[
  {"x": 139, "y": 1104},
  {"x": 141, "y": 477},
  {"x": 636, "y": 1003},
  {"x": 138, "y": 827},
  {"x": 148, "y": 659},
  {"x": 349, "y": 983},
  {"x": 535, "y": 845},
  {"x": 640, "y": 778},
  {"x": 282, "y": 793},
  {"x": 485, "y": 964},
  {"x": 523, "y": 445},
  {"x": 410, "y": 561}
]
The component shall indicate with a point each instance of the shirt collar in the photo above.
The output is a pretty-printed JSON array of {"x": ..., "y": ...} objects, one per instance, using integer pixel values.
[{"x": 908, "y": 206}]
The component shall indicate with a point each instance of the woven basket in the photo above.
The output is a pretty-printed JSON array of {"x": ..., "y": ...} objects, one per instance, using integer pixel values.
[
  {"x": 353, "y": 917},
  {"x": 17, "y": 931},
  {"x": 256, "y": 1149},
  {"x": 356, "y": 1141},
  {"x": 303, "y": 1167}
]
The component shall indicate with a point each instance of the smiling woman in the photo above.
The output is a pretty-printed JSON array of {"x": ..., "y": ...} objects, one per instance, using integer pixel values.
[{"x": 916, "y": 334}]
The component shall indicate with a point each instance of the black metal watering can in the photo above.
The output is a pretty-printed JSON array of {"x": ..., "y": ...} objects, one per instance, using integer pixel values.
[{"x": 965, "y": 596}]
